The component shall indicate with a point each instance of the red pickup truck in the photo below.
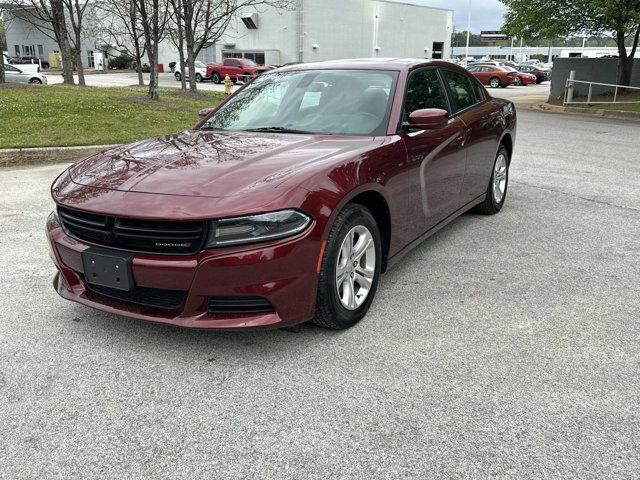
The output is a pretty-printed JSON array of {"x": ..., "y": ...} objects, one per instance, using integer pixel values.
[{"x": 234, "y": 67}]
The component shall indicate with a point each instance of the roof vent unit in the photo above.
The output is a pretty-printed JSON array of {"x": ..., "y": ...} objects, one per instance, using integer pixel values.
[{"x": 250, "y": 21}]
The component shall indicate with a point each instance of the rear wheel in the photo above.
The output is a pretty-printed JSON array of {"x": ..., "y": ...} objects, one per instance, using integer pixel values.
[
  {"x": 497, "y": 189},
  {"x": 178, "y": 76},
  {"x": 215, "y": 78},
  {"x": 198, "y": 78},
  {"x": 350, "y": 269},
  {"x": 495, "y": 82}
]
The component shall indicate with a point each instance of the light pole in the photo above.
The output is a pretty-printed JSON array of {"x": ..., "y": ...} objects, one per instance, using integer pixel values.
[{"x": 466, "y": 51}]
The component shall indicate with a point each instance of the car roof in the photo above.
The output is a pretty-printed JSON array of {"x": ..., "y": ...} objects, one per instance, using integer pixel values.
[{"x": 397, "y": 64}]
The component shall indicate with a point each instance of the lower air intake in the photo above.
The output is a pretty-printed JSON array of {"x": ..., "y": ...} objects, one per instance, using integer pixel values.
[{"x": 239, "y": 305}]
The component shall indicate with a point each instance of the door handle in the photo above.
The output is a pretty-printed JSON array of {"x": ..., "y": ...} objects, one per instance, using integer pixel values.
[{"x": 460, "y": 140}]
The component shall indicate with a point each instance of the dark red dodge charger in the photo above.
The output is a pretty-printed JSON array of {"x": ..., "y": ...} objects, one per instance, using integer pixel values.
[{"x": 286, "y": 202}]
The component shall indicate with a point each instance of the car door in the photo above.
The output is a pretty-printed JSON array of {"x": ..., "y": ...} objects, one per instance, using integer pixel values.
[
  {"x": 12, "y": 74},
  {"x": 482, "y": 120},
  {"x": 436, "y": 157}
]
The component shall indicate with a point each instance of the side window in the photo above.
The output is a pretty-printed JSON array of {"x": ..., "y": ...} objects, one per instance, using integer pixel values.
[
  {"x": 9, "y": 68},
  {"x": 462, "y": 89},
  {"x": 424, "y": 90}
]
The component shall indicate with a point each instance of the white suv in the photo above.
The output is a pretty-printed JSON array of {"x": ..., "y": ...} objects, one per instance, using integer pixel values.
[{"x": 201, "y": 72}]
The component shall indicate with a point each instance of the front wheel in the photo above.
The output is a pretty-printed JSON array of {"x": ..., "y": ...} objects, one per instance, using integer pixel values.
[
  {"x": 519, "y": 82},
  {"x": 494, "y": 82},
  {"x": 497, "y": 189},
  {"x": 36, "y": 81},
  {"x": 350, "y": 269},
  {"x": 178, "y": 76},
  {"x": 215, "y": 78}
]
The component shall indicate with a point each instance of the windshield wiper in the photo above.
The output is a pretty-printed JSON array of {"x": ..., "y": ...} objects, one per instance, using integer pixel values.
[{"x": 278, "y": 130}]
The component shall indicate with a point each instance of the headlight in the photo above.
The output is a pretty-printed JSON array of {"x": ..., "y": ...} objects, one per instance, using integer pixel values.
[{"x": 256, "y": 228}]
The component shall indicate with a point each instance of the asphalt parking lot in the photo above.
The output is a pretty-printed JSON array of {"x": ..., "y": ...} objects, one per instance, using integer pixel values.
[{"x": 504, "y": 346}]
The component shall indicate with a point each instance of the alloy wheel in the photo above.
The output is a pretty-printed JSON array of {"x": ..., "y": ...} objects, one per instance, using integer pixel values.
[
  {"x": 356, "y": 267},
  {"x": 499, "y": 178}
]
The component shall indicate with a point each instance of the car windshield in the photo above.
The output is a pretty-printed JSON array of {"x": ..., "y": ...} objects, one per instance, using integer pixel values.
[
  {"x": 199, "y": 65},
  {"x": 341, "y": 102},
  {"x": 249, "y": 62}
]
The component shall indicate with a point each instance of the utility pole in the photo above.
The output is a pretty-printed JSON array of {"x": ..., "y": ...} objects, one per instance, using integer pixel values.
[
  {"x": 466, "y": 51},
  {"x": 511, "y": 54}
]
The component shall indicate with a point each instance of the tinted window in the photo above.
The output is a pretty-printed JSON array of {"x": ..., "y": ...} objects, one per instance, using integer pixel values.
[
  {"x": 424, "y": 90},
  {"x": 9, "y": 68},
  {"x": 462, "y": 88}
]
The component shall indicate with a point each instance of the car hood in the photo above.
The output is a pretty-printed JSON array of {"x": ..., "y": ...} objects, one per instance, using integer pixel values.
[{"x": 213, "y": 163}]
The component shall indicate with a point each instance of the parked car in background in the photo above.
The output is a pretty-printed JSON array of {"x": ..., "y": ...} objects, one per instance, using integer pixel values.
[
  {"x": 493, "y": 76},
  {"x": 522, "y": 77},
  {"x": 542, "y": 75},
  {"x": 29, "y": 60},
  {"x": 277, "y": 208},
  {"x": 13, "y": 73},
  {"x": 236, "y": 68},
  {"x": 201, "y": 72}
]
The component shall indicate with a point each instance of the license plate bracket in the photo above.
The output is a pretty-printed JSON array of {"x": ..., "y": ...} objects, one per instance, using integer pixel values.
[{"x": 108, "y": 269}]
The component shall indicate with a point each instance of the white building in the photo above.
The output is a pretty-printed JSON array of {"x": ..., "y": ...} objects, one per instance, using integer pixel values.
[
  {"x": 315, "y": 30},
  {"x": 332, "y": 29}
]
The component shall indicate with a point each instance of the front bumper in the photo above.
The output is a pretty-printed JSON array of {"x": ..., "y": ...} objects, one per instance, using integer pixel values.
[{"x": 283, "y": 272}]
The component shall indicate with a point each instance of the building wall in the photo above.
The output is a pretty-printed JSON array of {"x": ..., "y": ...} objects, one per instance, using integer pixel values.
[
  {"x": 334, "y": 29},
  {"x": 20, "y": 32},
  {"x": 601, "y": 70}
]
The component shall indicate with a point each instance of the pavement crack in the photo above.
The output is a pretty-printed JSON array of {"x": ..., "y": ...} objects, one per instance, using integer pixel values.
[{"x": 593, "y": 200}]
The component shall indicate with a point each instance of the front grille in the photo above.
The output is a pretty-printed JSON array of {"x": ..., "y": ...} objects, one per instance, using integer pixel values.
[
  {"x": 150, "y": 297},
  {"x": 239, "y": 305},
  {"x": 151, "y": 236}
]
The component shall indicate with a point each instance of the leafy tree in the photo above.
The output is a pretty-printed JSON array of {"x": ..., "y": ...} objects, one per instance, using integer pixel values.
[{"x": 619, "y": 19}]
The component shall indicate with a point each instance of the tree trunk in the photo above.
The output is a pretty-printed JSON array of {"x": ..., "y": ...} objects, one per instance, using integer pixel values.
[
  {"x": 625, "y": 62},
  {"x": 189, "y": 40},
  {"x": 60, "y": 30},
  {"x": 78, "y": 56},
  {"x": 183, "y": 79},
  {"x": 192, "y": 69},
  {"x": 2, "y": 71},
  {"x": 153, "y": 74}
]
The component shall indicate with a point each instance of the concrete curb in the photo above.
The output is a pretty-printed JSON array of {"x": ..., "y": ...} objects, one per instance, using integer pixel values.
[
  {"x": 594, "y": 112},
  {"x": 12, "y": 157}
]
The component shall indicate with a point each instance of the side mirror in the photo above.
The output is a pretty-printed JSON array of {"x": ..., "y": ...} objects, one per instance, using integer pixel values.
[
  {"x": 429, "y": 119},
  {"x": 205, "y": 111}
]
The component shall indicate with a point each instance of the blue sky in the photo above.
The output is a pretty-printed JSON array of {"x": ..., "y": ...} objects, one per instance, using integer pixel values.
[{"x": 485, "y": 14}]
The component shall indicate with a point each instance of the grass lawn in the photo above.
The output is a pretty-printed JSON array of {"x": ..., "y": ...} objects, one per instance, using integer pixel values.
[
  {"x": 626, "y": 107},
  {"x": 57, "y": 115}
]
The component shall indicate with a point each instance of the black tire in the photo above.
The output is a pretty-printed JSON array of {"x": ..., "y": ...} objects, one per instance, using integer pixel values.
[
  {"x": 490, "y": 206},
  {"x": 538, "y": 82},
  {"x": 198, "y": 78},
  {"x": 330, "y": 313},
  {"x": 504, "y": 86},
  {"x": 178, "y": 76},
  {"x": 215, "y": 77},
  {"x": 494, "y": 82},
  {"x": 35, "y": 81}
]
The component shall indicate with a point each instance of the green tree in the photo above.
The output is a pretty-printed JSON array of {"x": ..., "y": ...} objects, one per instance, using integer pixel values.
[{"x": 619, "y": 19}]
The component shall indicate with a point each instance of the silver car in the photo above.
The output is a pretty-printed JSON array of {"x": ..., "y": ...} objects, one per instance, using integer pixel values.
[{"x": 14, "y": 74}]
